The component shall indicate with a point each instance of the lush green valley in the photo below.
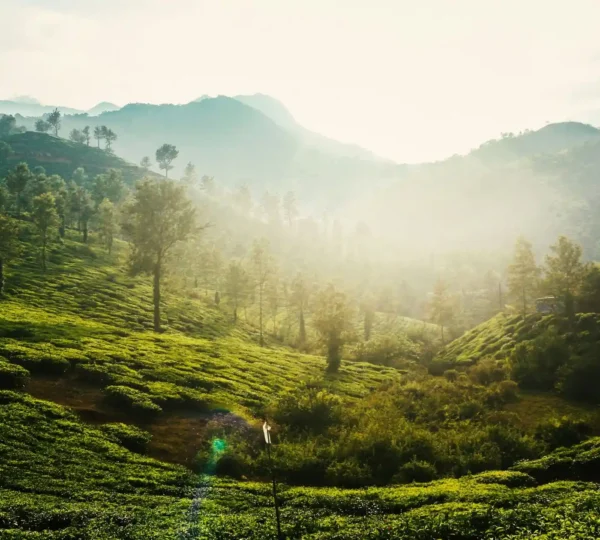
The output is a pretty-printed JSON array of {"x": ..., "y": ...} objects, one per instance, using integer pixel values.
[{"x": 148, "y": 327}]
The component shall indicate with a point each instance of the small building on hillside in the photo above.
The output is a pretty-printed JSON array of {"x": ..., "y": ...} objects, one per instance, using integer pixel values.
[{"x": 549, "y": 304}]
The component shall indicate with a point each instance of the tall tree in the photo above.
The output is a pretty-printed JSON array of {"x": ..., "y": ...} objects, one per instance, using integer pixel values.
[
  {"x": 54, "y": 121},
  {"x": 16, "y": 182},
  {"x": 368, "y": 311},
  {"x": 107, "y": 225},
  {"x": 8, "y": 124},
  {"x": 290, "y": 208},
  {"x": 273, "y": 287},
  {"x": 99, "y": 134},
  {"x": 159, "y": 216},
  {"x": 9, "y": 245},
  {"x": 108, "y": 186},
  {"x": 145, "y": 163},
  {"x": 332, "y": 319},
  {"x": 42, "y": 126},
  {"x": 523, "y": 276},
  {"x": 190, "y": 176},
  {"x": 86, "y": 134},
  {"x": 564, "y": 272},
  {"x": 441, "y": 308},
  {"x": 86, "y": 212},
  {"x": 237, "y": 287},
  {"x": 77, "y": 136},
  {"x": 79, "y": 176},
  {"x": 109, "y": 136},
  {"x": 208, "y": 184},
  {"x": 45, "y": 218},
  {"x": 6, "y": 151},
  {"x": 262, "y": 267},
  {"x": 299, "y": 297},
  {"x": 165, "y": 156}
]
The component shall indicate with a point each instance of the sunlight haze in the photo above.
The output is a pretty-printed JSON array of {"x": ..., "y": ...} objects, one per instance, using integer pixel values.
[{"x": 411, "y": 81}]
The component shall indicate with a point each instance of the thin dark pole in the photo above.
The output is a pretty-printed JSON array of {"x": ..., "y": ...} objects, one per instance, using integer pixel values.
[{"x": 279, "y": 536}]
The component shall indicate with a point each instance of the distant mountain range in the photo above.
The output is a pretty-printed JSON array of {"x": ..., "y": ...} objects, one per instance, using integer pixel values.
[
  {"x": 28, "y": 106},
  {"x": 246, "y": 139}
]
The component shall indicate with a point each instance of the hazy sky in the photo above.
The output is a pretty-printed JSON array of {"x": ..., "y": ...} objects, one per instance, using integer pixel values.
[{"x": 410, "y": 80}]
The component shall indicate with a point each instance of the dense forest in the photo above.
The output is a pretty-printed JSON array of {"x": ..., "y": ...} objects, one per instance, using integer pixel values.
[{"x": 153, "y": 316}]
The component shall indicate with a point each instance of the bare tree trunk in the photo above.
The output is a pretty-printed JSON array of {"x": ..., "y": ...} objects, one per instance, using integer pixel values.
[
  {"x": 302, "y": 330},
  {"x": 44, "y": 251},
  {"x": 260, "y": 314},
  {"x": 1, "y": 276},
  {"x": 156, "y": 291}
]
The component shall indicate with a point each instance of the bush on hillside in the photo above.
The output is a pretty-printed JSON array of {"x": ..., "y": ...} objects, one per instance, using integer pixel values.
[
  {"x": 12, "y": 376},
  {"x": 132, "y": 400},
  {"x": 564, "y": 431},
  {"x": 308, "y": 409},
  {"x": 130, "y": 437}
]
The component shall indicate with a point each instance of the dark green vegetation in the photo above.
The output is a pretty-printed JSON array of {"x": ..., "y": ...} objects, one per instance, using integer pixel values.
[
  {"x": 62, "y": 157},
  {"x": 64, "y": 480}
]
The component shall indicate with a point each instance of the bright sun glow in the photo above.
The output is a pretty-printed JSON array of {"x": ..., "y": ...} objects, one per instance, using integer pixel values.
[{"x": 408, "y": 80}]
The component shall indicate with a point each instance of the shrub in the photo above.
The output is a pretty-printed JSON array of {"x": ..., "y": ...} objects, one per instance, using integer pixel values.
[
  {"x": 132, "y": 399},
  {"x": 130, "y": 437},
  {"x": 415, "y": 471},
  {"x": 563, "y": 431},
  {"x": 349, "y": 473},
  {"x": 12, "y": 376},
  {"x": 451, "y": 375},
  {"x": 308, "y": 409},
  {"x": 488, "y": 371},
  {"x": 512, "y": 479}
]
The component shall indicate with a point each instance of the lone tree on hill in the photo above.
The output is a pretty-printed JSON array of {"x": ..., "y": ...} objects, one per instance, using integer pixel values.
[
  {"x": 16, "y": 182},
  {"x": 9, "y": 245},
  {"x": 45, "y": 218},
  {"x": 54, "y": 121},
  {"x": 523, "y": 276},
  {"x": 332, "y": 320},
  {"x": 145, "y": 163},
  {"x": 42, "y": 126},
  {"x": 165, "y": 156},
  {"x": 159, "y": 216}
]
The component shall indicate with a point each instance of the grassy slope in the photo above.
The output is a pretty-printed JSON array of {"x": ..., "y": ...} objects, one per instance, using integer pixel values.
[
  {"x": 497, "y": 337},
  {"x": 84, "y": 326},
  {"x": 83, "y": 329},
  {"x": 64, "y": 480},
  {"x": 62, "y": 157}
]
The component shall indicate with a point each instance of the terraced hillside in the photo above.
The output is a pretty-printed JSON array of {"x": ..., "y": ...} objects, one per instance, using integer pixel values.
[
  {"x": 62, "y": 479},
  {"x": 80, "y": 335},
  {"x": 62, "y": 157}
]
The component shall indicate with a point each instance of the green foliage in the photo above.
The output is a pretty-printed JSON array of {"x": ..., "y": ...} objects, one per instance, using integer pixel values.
[
  {"x": 331, "y": 319},
  {"x": 165, "y": 156},
  {"x": 130, "y": 398},
  {"x": 523, "y": 276},
  {"x": 128, "y": 436},
  {"x": 12, "y": 376}
]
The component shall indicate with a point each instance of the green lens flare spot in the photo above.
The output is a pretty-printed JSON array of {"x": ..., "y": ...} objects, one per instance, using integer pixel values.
[{"x": 219, "y": 446}]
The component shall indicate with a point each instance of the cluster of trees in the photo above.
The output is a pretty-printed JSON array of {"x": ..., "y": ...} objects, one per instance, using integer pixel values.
[
  {"x": 53, "y": 122},
  {"x": 570, "y": 284}
]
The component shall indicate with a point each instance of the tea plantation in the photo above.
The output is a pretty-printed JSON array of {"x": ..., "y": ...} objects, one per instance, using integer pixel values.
[{"x": 91, "y": 397}]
